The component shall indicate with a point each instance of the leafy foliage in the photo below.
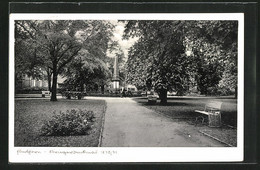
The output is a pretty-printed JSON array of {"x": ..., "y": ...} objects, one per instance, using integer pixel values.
[
  {"x": 72, "y": 122},
  {"x": 181, "y": 54},
  {"x": 89, "y": 66},
  {"x": 58, "y": 42},
  {"x": 78, "y": 76},
  {"x": 213, "y": 46},
  {"x": 158, "y": 58}
]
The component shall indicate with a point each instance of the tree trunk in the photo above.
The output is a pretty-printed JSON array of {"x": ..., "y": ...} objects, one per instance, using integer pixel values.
[
  {"x": 102, "y": 89},
  {"x": 163, "y": 96},
  {"x": 81, "y": 87},
  {"x": 236, "y": 92},
  {"x": 54, "y": 87},
  {"x": 96, "y": 87},
  {"x": 203, "y": 91},
  {"x": 49, "y": 80}
]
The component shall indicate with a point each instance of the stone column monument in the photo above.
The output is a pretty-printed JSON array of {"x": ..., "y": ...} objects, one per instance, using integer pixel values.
[{"x": 115, "y": 78}]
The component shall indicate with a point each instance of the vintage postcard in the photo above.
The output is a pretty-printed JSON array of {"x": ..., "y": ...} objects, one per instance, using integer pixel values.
[{"x": 132, "y": 87}]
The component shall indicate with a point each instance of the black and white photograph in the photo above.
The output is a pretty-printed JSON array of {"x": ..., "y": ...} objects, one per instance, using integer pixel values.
[{"x": 121, "y": 87}]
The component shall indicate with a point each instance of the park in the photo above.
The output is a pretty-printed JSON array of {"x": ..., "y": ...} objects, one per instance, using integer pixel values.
[{"x": 129, "y": 83}]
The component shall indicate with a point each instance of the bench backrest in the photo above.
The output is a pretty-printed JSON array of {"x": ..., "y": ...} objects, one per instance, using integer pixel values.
[{"x": 216, "y": 106}]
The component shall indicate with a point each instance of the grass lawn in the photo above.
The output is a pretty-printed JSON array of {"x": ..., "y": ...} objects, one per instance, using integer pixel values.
[
  {"x": 31, "y": 113},
  {"x": 182, "y": 109}
]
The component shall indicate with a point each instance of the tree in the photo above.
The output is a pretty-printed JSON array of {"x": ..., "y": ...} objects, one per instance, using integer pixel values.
[
  {"x": 55, "y": 44},
  {"x": 58, "y": 42},
  {"x": 213, "y": 45},
  {"x": 77, "y": 75},
  {"x": 207, "y": 68},
  {"x": 27, "y": 61},
  {"x": 158, "y": 58},
  {"x": 90, "y": 65}
]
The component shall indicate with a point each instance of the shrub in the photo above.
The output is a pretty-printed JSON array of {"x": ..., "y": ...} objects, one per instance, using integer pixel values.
[
  {"x": 71, "y": 94},
  {"x": 224, "y": 91},
  {"x": 212, "y": 91},
  {"x": 71, "y": 122}
]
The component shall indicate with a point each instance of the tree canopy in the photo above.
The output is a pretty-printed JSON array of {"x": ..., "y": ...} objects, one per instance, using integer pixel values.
[
  {"x": 177, "y": 54},
  {"x": 56, "y": 43}
]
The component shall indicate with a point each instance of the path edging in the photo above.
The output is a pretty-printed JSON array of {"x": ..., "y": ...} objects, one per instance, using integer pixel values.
[
  {"x": 206, "y": 134},
  {"x": 102, "y": 125}
]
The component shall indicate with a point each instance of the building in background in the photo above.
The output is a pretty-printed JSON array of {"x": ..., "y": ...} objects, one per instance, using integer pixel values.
[{"x": 28, "y": 82}]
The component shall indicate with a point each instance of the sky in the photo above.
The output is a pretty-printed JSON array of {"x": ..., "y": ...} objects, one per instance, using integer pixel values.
[{"x": 118, "y": 33}]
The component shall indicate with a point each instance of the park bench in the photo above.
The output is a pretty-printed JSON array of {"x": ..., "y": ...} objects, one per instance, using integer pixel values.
[
  {"x": 46, "y": 93},
  {"x": 213, "y": 111}
]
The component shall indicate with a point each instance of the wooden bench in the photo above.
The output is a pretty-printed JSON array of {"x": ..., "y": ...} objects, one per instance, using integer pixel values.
[
  {"x": 46, "y": 93},
  {"x": 213, "y": 110}
]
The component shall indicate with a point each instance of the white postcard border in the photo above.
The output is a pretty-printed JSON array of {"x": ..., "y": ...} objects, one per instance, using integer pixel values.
[{"x": 128, "y": 154}]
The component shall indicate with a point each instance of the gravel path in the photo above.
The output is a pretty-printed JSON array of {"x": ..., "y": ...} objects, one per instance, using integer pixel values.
[{"x": 127, "y": 124}]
